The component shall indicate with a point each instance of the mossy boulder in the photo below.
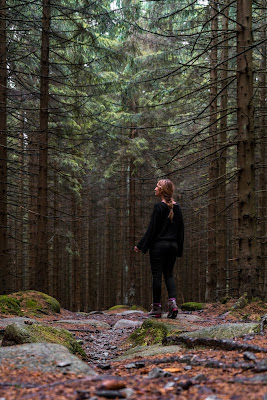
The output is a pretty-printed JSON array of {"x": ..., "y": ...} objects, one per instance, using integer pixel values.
[
  {"x": 192, "y": 306},
  {"x": 29, "y": 302},
  {"x": 138, "y": 308},
  {"x": 225, "y": 331},
  {"x": 39, "y": 333},
  {"x": 151, "y": 332},
  {"x": 119, "y": 307},
  {"x": 10, "y": 305}
]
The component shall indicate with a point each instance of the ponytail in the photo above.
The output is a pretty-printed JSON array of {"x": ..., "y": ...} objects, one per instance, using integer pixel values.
[{"x": 167, "y": 189}]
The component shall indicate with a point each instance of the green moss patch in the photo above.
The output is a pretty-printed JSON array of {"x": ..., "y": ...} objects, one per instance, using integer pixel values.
[
  {"x": 10, "y": 305},
  {"x": 119, "y": 307},
  {"x": 151, "y": 332},
  {"x": 39, "y": 333},
  {"x": 192, "y": 306},
  {"x": 30, "y": 303},
  {"x": 134, "y": 307}
]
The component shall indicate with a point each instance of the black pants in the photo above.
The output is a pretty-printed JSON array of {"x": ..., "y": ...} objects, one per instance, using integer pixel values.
[{"x": 162, "y": 260}]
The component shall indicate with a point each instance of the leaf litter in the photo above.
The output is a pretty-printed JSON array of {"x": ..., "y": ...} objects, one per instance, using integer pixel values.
[{"x": 198, "y": 373}]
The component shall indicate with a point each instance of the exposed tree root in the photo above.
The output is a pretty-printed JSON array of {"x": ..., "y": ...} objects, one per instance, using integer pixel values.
[{"x": 224, "y": 344}]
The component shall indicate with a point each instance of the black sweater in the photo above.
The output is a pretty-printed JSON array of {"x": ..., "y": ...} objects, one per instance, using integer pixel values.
[{"x": 162, "y": 228}]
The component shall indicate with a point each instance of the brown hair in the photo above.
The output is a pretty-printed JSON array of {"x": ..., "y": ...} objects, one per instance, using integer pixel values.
[{"x": 166, "y": 189}]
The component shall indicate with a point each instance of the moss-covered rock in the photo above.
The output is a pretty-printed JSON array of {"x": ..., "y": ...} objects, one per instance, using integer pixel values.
[
  {"x": 10, "y": 305},
  {"x": 240, "y": 303},
  {"x": 151, "y": 332},
  {"x": 39, "y": 333},
  {"x": 192, "y": 306},
  {"x": 119, "y": 307},
  {"x": 137, "y": 308},
  {"x": 225, "y": 331},
  {"x": 29, "y": 302}
]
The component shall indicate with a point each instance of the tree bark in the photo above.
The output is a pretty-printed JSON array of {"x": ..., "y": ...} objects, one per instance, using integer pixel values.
[
  {"x": 247, "y": 243},
  {"x": 3, "y": 152},
  {"x": 262, "y": 202},
  {"x": 213, "y": 167},
  {"x": 42, "y": 223},
  {"x": 221, "y": 219}
]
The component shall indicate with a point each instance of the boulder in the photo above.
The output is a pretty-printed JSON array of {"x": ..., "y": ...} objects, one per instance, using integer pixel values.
[
  {"x": 45, "y": 357},
  {"x": 147, "y": 351},
  {"x": 225, "y": 331},
  {"x": 18, "y": 333},
  {"x": 126, "y": 323},
  {"x": 28, "y": 302}
]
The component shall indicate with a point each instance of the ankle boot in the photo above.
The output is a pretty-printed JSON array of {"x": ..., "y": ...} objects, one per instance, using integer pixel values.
[
  {"x": 156, "y": 311},
  {"x": 172, "y": 308}
]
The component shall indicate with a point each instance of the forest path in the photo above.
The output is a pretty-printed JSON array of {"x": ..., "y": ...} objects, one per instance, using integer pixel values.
[{"x": 196, "y": 374}]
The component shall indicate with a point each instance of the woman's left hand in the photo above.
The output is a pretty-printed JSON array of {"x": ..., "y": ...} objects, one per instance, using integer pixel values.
[{"x": 136, "y": 249}]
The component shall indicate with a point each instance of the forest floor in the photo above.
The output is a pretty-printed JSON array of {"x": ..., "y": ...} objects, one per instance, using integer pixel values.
[{"x": 218, "y": 374}]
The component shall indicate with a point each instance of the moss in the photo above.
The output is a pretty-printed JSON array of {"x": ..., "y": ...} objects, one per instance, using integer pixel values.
[
  {"x": 134, "y": 307},
  {"x": 10, "y": 305},
  {"x": 151, "y": 332},
  {"x": 118, "y": 307},
  {"x": 49, "y": 334},
  {"x": 29, "y": 302},
  {"x": 241, "y": 303},
  {"x": 37, "y": 333},
  {"x": 191, "y": 306},
  {"x": 52, "y": 302}
]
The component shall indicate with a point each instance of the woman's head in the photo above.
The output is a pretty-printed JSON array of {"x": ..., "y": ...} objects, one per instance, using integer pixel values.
[{"x": 165, "y": 189}]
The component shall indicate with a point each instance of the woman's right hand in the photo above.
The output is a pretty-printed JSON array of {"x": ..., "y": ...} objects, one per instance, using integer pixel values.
[{"x": 136, "y": 249}]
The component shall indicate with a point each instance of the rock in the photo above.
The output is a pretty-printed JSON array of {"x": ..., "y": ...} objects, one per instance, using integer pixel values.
[
  {"x": 92, "y": 322},
  {"x": 200, "y": 378},
  {"x": 151, "y": 332},
  {"x": 213, "y": 397},
  {"x": 28, "y": 302},
  {"x": 104, "y": 366},
  {"x": 38, "y": 333},
  {"x": 129, "y": 312},
  {"x": 191, "y": 306},
  {"x": 44, "y": 357},
  {"x": 225, "y": 331},
  {"x": 12, "y": 320},
  {"x": 125, "y": 323},
  {"x": 109, "y": 394},
  {"x": 158, "y": 373},
  {"x": 247, "y": 355},
  {"x": 146, "y": 351},
  {"x": 137, "y": 364},
  {"x": 127, "y": 393}
]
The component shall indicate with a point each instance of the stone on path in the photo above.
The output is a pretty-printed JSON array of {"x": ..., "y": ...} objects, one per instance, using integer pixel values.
[
  {"x": 225, "y": 331},
  {"x": 126, "y": 323},
  {"x": 12, "y": 320},
  {"x": 92, "y": 322},
  {"x": 46, "y": 357},
  {"x": 146, "y": 351}
]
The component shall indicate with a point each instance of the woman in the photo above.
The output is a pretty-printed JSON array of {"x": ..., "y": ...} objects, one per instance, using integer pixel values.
[{"x": 164, "y": 239}]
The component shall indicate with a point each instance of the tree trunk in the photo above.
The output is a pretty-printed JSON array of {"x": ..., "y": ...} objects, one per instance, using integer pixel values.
[
  {"x": 3, "y": 152},
  {"x": 247, "y": 249},
  {"x": 42, "y": 223},
  {"x": 213, "y": 167},
  {"x": 262, "y": 204},
  {"x": 221, "y": 220}
]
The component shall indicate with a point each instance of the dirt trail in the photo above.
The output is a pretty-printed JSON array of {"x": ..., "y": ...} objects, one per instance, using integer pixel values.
[{"x": 196, "y": 374}]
